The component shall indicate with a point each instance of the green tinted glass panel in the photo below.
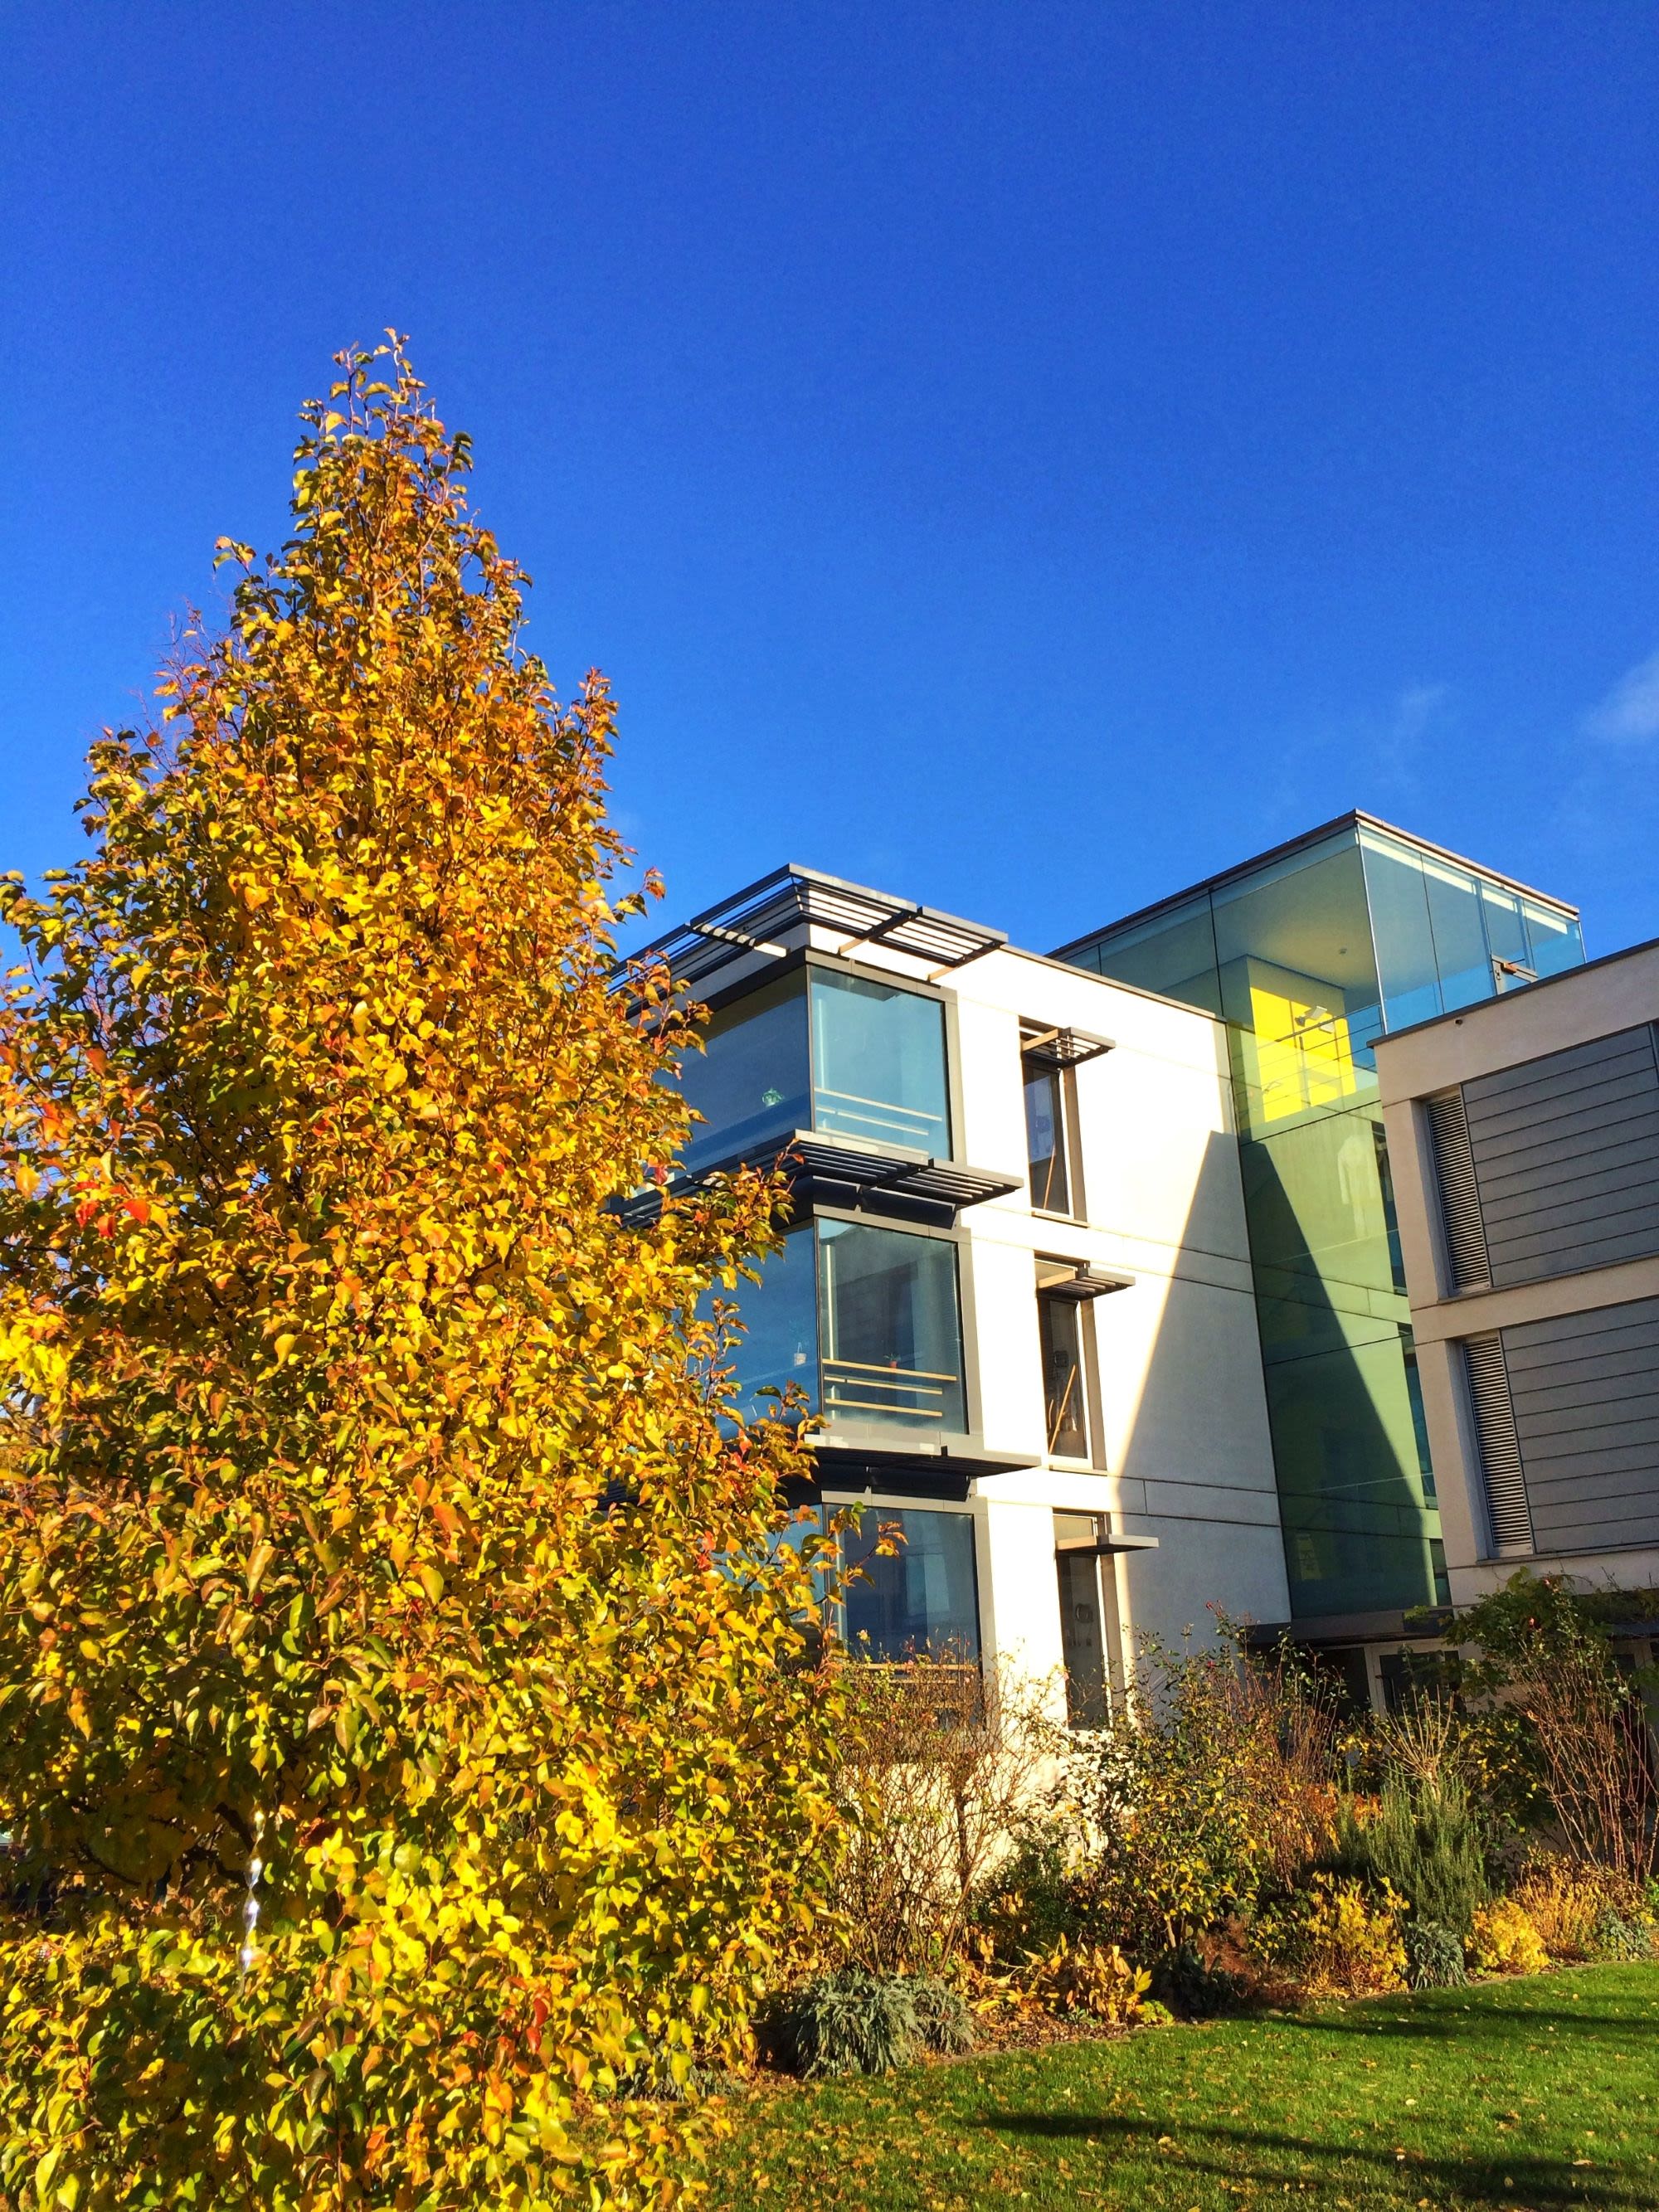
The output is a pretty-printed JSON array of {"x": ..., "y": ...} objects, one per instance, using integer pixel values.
[
  {"x": 1358, "y": 1535},
  {"x": 1406, "y": 964},
  {"x": 1172, "y": 953},
  {"x": 1461, "y": 961},
  {"x": 1556, "y": 940}
]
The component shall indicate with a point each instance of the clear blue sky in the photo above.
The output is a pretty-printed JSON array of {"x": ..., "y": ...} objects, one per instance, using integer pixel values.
[{"x": 1024, "y": 456}]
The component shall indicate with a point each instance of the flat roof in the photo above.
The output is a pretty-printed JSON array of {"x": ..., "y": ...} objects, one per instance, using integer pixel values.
[{"x": 1354, "y": 819}]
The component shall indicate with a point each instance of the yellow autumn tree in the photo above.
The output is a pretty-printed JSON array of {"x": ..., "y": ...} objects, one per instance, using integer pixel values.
[{"x": 377, "y": 1547}]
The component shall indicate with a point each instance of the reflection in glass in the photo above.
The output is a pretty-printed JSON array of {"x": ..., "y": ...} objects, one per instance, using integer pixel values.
[
  {"x": 1556, "y": 940},
  {"x": 891, "y": 1327},
  {"x": 780, "y": 1345},
  {"x": 878, "y": 1070},
  {"x": 1173, "y": 954},
  {"x": 1459, "y": 942},
  {"x": 1406, "y": 964},
  {"x": 1045, "y": 1140},
  {"x": 921, "y": 1601},
  {"x": 1059, "y": 1322},
  {"x": 1308, "y": 951},
  {"x": 1506, "y": 936},
  {"x": 750, "y": 1083}
]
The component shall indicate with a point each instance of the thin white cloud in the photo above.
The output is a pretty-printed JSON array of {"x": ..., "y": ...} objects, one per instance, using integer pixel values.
[{"x": 1629, "y": 715}]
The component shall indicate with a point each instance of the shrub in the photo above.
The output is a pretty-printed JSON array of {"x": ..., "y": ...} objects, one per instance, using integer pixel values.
[
  {"x": 1338, "y": 1933},
  {"x": 1033, "y": 1899},
  {"x": 1422, "y": 1835},
  {"x": 1547, "y": 1659},
  {"x": 1504, "y": 1941},
  {"x": 1185, "y": 1981},
  {"x": 1613, "y": 1937},
  {"x": 938, "y": 1768},
  {"x": 1434, "y": 1956},
  {"x": 1216, "y": 1780},
  {"x": 1092, "y": 1978},
  {"x": 854, "y": 2022},
  {"x": 1565, "y": 1900}
]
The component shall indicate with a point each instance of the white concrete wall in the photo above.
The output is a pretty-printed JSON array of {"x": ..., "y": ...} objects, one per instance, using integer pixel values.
[{"x": 1182, "y": 1439}]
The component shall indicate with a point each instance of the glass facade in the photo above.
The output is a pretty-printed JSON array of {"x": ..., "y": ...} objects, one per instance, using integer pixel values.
[
  {"x": 842, "y": 1054},
  {"x": 1309, "y": 957},
  {"x": 866, "y": 1321}
]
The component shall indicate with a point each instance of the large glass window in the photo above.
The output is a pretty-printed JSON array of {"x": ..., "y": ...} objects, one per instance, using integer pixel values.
[
  {"x": 878, "y": 1070},
  {"x": 1173, "y": 954},
  {"x": 1406, "y": 964},
  {"x": 891, "y": 1327},
  {"x": 922, "y": 1600},
  {"x": 1298, "y": 980},
  {"x": 866, "y": 1321},
  {"x": 1045, "y": 1138},
  {"x": 1460, "y": 938},
  {"x": 751, "y": 1082},
  {"x": 780, "y": 1319},
  {"x": 815, "y": 1050}
]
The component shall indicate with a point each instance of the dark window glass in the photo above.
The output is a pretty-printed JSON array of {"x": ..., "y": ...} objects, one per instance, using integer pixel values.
[
  {"x": 921, "y": 1601},
  {"x": 1045, "y": 1140},
  {"x": 779, "y": 1314},
  {"x": 1083, "y": 1638},
  {"x": 750, "y": 1083},
  {"x": 892, "y": 1329},
  {"x": 878, "y": 1068},
  {"x": 1060, "y": 1321}
]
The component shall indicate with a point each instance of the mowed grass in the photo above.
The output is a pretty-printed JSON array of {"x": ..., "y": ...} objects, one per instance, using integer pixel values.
[{"x": 1536, "y": 2092}]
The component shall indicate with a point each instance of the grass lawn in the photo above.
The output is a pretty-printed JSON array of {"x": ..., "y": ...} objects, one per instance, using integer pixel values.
[{"x": 1536, "y": 2092}]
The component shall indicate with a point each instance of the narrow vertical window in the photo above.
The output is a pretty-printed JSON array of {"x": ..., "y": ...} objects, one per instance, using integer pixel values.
[
  {"x": 1045, "y": 1138},
  {"x": 1087, "y": 1618},
  {"x": 1064, "y": 1386}
]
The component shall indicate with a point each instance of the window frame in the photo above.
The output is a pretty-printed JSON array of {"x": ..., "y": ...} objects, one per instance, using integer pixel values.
[{"x": 1067, "y": 1126}]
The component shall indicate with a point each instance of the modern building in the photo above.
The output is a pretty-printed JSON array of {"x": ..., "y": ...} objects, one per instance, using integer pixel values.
[
  {"x": 1096, "y": 1279},
  {"x": 1312, "y": 955},
  {"x": 1524, "y": 1135},
  {"x": 1016, "y": 1284}
]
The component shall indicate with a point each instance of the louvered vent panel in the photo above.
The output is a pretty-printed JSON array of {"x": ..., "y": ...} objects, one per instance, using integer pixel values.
[
  {"x": 1460, "y": 1194},
  {"x": 1500, "y": 1450}
]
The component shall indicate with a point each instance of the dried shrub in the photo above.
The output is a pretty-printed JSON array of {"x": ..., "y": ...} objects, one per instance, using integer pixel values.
[
  {"x": 1546, "y": 1660},
  {"x": 940, "y": 1766}
]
